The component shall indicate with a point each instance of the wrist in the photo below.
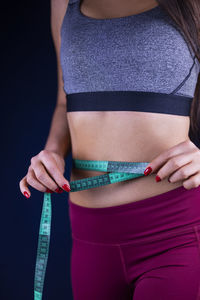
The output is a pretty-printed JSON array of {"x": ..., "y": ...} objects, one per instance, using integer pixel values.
[{"x": 56, "y": 150}]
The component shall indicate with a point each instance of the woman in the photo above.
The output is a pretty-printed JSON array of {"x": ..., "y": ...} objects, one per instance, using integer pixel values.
[{"x": 128, "y": 91}]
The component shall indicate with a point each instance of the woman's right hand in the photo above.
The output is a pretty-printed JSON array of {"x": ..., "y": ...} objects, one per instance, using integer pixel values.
[{"x": 45, "y": 174}]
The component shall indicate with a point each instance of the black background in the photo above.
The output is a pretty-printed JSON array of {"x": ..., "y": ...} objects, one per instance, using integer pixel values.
[{"x": 28, "y": 97}]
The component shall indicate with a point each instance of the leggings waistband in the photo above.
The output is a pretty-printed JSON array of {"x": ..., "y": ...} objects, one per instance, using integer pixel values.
[{"x": 176, "y": 209}]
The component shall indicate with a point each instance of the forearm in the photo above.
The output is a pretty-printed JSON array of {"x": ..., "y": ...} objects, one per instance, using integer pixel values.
[{"x": 59, "y": 139}]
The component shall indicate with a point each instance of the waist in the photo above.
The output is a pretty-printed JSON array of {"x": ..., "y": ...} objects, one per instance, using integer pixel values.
[
  {"x": 136, "y": 138},
  {"x": 111, "y": 192}
]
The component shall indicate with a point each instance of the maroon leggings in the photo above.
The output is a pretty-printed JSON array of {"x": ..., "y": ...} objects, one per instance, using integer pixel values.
[{"x": 144, "y": 250}]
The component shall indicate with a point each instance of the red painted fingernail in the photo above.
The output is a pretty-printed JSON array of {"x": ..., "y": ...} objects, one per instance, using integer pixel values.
[
  {"x": 66, "y": 187},
  {"x": 26, "y": 195},
  {"x": 49, "y": 191},
  {"x": 58, "y": 190},
  {"x": 158, "y": 178},
  {"x": 147, "y": 171}
]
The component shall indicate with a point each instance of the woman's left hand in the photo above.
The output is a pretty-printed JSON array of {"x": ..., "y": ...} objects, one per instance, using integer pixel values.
[{"x": 181, "y": 162}]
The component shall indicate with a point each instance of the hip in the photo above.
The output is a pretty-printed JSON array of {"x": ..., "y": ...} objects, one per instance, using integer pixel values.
[{"x": 169, "y": 213}]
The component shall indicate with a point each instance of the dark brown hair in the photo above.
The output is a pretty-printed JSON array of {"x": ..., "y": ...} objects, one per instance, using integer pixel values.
[{"x": 186, "y": 14}]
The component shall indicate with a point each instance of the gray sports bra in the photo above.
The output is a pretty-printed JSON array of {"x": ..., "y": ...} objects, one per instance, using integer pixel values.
[{"x": 139, "y": 62}]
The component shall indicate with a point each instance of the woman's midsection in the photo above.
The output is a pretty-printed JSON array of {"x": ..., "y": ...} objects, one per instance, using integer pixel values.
[{"x": 123, "y": 136}]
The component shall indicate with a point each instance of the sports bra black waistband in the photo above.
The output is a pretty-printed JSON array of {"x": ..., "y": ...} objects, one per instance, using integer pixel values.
[{"x": 129, "y": 101}]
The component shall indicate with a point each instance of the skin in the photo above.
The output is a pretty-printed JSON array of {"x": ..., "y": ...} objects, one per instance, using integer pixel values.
[{"x": 160, "y": 139}]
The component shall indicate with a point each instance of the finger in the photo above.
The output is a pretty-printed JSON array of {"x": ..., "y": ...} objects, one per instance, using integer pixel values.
[
  {"x": 24, "y": 187},
  {"x": 43, "y": 177},
  {"x": 33, "y": 181},
  {"x": 192, "y": 182},
  {"x": 160, "y": 160},
  {"x": 52, "y": 168},
  {"x": 184, "y": 172},
  {"x": 174, "y": 164}
]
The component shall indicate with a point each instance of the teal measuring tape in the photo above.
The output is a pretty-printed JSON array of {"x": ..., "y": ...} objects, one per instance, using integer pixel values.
[{"x": 118, "y": 171}]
